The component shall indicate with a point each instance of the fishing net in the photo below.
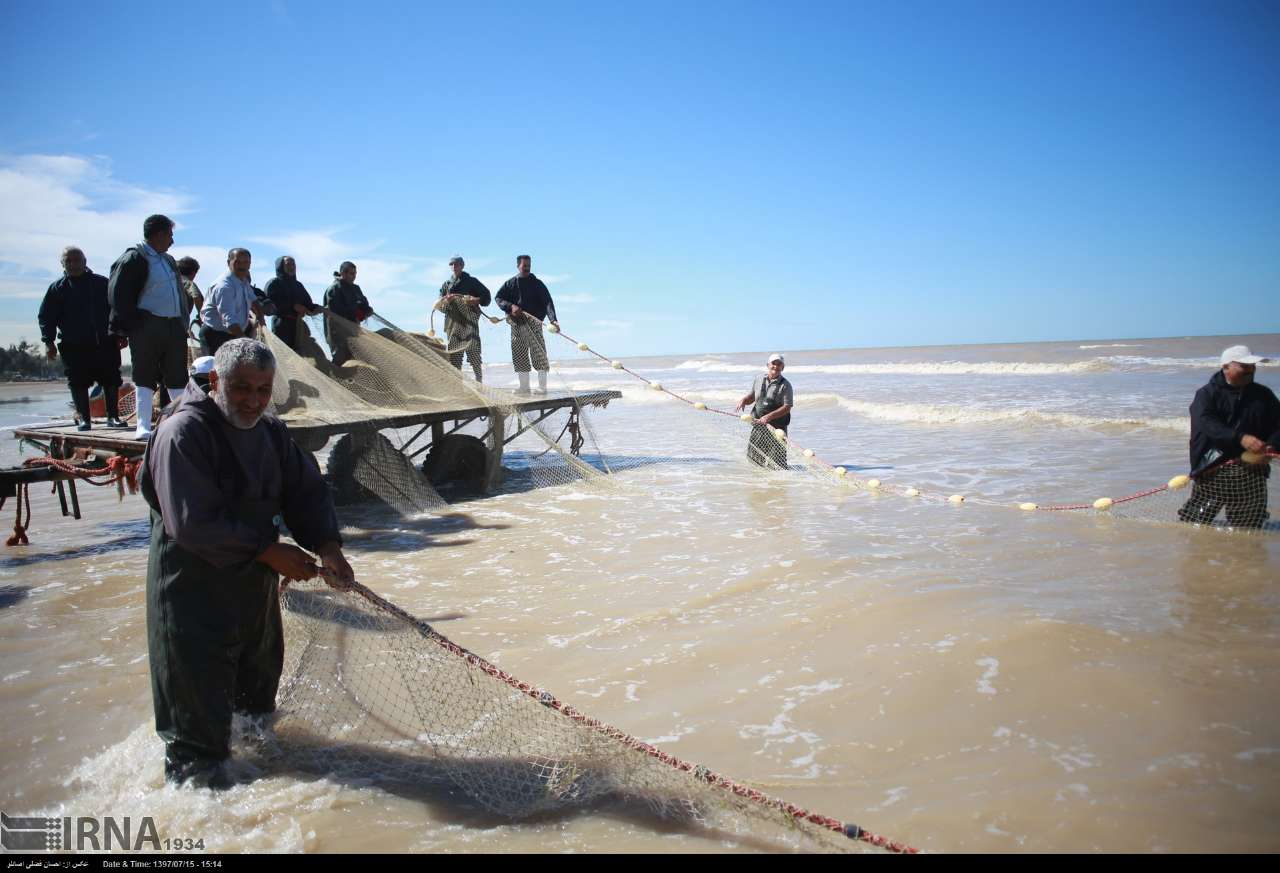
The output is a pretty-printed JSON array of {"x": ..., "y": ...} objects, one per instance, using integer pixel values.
[
  {"x": 394, "y": 419},
  {"x": 1237, "y": 494},
  {"x": 370, "y": 692}
]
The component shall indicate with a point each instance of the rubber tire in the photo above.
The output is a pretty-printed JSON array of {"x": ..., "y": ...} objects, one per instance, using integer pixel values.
[{"x": 459, "y": 459}]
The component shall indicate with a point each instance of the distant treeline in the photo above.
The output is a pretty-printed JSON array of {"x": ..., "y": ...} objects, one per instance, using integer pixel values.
[{"x": 25, "y": 361}]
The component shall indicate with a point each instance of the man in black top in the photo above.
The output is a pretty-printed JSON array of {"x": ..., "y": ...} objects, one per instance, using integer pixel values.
[
  {"x": 527, "y": 303},
  {"x": 1235, "y": 423},
  {"x": 772, "y": 399},
  {"x": 291, "y": 300},
  {"x": 76, "y": 305},
  {"x": 460, "y": 299}
]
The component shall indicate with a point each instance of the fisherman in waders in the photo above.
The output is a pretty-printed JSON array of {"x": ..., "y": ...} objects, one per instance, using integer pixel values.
[
  {"x": 772, "y": 398},
  {"x": 461, "y": 297},
  {"x": 221, "y": 478}
]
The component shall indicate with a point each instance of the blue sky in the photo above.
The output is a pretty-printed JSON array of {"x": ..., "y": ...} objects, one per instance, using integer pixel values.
[{"x": 689, "y": 177}]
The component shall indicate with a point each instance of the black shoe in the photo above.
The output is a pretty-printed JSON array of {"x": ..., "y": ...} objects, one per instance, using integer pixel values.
[
  {"x": 199, "y": 773},
  {"x": 84, "y": 425},
  {"x": 115, "y": 422}
]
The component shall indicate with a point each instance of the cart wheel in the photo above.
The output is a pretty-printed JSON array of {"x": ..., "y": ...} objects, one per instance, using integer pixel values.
[{"x": 459, "y": 458}]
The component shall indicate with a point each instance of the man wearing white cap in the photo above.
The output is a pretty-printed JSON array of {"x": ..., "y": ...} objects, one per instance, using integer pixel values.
[
  {"x": 772, "y": 399},
  {"x": 1230, "y": 416}
]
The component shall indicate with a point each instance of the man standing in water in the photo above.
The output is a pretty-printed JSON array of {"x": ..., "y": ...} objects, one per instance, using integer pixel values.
[
  {"x": 221, "y": 477},
  {"x": 151, "y": 307},
  {"x": 1230, "y": 416},
  {"x": 461, "y": 298},
  {"x": 772, "y": 398},
  {"x": 527, "y": 303}
]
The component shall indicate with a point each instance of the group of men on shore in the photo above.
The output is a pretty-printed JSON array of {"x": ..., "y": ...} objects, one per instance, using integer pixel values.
[{"x": 148, "y": 301}]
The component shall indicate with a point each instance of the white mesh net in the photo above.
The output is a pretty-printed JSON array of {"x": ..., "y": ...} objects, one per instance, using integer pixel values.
[{"x": 370, "y": 692}]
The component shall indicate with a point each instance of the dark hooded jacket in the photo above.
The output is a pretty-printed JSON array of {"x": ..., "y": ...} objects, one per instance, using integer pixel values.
[
  {"x": 284, "y": 292},
  {"x": 529, "y": 294},
  {"x": 1222, "y": 414},
  {"x": 78, "y": 307}
]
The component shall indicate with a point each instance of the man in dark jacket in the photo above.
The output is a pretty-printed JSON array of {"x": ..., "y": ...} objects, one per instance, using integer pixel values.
[
  {"x": 76, "y": 306},
  {"x": 527, "y": 303},
  {"x": 344, "y": 299},
  {"x": 150, "y": 305},
  {"x": 460, "y": 299},
  {"x": 221, "y": 477},
  {"x": 291, "y": 300},
  {"x": 1235, "y": 422}
]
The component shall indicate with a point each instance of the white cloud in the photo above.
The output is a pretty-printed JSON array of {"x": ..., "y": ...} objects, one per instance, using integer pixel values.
[
  {"x": 612, "y": 326},
  {"x": 68, "y": 200},
  {"x": 52, "y": 201}
]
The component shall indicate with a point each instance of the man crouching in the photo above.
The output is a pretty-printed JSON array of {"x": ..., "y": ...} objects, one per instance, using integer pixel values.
[{"x": 221, "y": 477}]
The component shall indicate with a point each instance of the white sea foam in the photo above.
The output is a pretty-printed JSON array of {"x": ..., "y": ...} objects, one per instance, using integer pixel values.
[
  {"x": 1113, "y": 346},
  {"x": 915, "y": 368},
  {"x": 944, "y": 414},
  {"x": 1139, "y": 362}
]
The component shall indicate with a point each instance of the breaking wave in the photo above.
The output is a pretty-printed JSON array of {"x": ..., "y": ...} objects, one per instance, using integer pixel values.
[
  {"x": 942, "y": 414},
  {"x": 915, "y": 368}
]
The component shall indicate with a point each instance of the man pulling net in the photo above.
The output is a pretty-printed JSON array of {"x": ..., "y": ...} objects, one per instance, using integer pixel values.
[
  {"x": 221, "y": 478},
  {"x": 1235, "y": 423},
  {"x": 527, "y": 303}
]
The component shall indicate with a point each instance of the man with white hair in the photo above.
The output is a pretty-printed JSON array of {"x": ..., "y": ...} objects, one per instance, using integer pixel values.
[
  {"x": 1235, "y": 423},
  {"x": 771, "y": 398},
  {"x": 222, "y": 476}
]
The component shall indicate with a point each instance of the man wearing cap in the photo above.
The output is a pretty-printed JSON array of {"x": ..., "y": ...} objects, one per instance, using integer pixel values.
[
  {"x": 460, "y": 300},
  {"x": 1230, "y": 416},
  {"x": 772, "y": 398}
]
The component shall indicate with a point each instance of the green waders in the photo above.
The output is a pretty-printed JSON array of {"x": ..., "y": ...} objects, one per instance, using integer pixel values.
[{"x": 216, "y": 645}]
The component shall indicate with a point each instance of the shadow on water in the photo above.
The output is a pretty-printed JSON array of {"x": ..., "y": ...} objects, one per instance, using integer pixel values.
[
  {"x": 521, "y": 473},
  {"x": 12, "y": 594},
  {"x": 435, "y": 784},
  {"x": 374, "y": 526},
  {"x": 865, "y": 468},
  {"x": 331, "y": 606},
  {"x": 92, "y": 550}
]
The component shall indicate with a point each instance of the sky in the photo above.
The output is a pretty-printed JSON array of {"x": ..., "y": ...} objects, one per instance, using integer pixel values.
[{"x": 692, "y": 177}]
